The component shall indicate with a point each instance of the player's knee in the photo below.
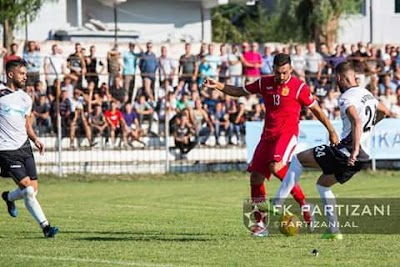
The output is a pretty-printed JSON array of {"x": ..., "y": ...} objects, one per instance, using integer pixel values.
[
  {"x": 274, "y": 168},
  {"x": 29, "y": 192},
  {"x": 256, "y": 178}
]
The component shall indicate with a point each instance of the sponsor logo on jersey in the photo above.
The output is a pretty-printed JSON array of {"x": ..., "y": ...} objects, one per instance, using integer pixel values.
[
  {"x": 15, "y": 166},
  {"x": 269, "y": 87},
  {"x": 285, "y": 91}
]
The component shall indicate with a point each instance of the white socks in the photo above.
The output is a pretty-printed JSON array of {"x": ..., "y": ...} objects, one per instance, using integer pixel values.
[
  {"x": 329, "y": 201},
  {"x": 291, "y": 178},
  {"x": 33, "y": 206}
]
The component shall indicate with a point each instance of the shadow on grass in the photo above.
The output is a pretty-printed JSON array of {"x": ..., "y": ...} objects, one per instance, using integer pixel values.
[
  {"x": 146, "y": 238},
  {"x": 140, "y": 236}
]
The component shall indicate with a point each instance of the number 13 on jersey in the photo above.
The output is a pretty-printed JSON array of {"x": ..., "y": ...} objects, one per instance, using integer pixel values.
[{"x": 277, "y": 100}]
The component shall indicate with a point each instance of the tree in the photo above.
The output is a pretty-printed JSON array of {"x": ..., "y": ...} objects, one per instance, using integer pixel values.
[
  {"x": 14, "y": 14},
  {"x": 314, "y": 20},
  {"x": 238, "y": 22}
]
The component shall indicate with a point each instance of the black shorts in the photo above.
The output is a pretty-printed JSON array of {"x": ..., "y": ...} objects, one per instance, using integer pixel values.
[
  {"x": 333, "y": 161},
  {"x": 19, "y": 163}
]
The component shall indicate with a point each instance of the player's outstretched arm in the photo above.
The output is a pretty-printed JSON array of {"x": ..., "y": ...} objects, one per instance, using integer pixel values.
[
  {"x": 227, "y": 89},
  {"x": 317, "y": 111},
  {"x": 384, "y": 110}
]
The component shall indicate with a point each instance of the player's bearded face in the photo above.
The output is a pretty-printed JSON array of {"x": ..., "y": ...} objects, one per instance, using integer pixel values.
[
  {"x": 340, "y": 83},
  {"x": 282, "y": 73},
  {"x": 19, "y": 77}
]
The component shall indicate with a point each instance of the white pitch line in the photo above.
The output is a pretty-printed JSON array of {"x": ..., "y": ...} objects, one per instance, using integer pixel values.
[{"x": 123, "y": 263}]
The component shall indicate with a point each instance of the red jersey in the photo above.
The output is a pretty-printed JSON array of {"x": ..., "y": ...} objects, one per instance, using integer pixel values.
[
  {"x": 115, "y": 118},
  {"x": 283, "y": 104}
]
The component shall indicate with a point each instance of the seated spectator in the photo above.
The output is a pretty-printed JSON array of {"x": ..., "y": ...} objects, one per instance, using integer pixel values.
[
  {"x": 98, "y": 123},
  {"x": 132, "y": 127},
  {"x": 258, "y": 114},
  {"x": 330, "y": 103},
  {"x": 388, "y": 98},
  {"x": 322, "y": 87},
  {"x": 387, "y": 82},
  {"x": 116, "y": 123},
  {"x": 145, "y": 112},
  {"x": 41, "y": 111},
  {"x": 202, "y": 123},
  {"x": 236, "y": 118},
  {"x": 79, "y": 120},
  {"x": 65, "y": 113},
  {"x": 117, "y": 92},
  {"x": 210, "y": 103},
  {"x": 220, "y": 120},
  {"x": 184, "y": 134},
  {"x": 185, "y": 102}
]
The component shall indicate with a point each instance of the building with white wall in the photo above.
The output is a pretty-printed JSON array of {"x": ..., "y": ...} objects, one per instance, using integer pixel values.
[
  {"x": 155, "y": 20},
  {"x": 377, "y": 22}
]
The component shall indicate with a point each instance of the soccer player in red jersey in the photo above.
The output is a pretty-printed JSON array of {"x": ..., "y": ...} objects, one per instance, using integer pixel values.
[{"x": 283, "y": 95}]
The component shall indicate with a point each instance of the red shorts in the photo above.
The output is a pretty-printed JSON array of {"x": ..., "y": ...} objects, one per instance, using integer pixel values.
[{"x": 267, "y": 151}]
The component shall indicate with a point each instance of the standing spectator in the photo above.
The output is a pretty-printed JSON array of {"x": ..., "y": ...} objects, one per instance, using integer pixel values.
[
  {"x": 54, "y": 65},
  {"x": 148, "y": 66},
  {"x": 205, "y": 70},
  {"x": 267, "y": 61},
  {"x": 224, "y": 64},
  {"x": 338, "y": 57},
  {"x": 76, "y": 64},
  {"x": 235, "y": 67},
  {"x": 114, "y": 65},
  {"x": 12, "y": 54},
  {"x": 314, "y": 64},
  {"x": 187, "y": 70},
  {"x": 326, "y": 67},
  {"x": 129, "y": 59},
  {"x": 166, "y": 68},
  {"x": 33, "y": 60},
  {"x": 92, "y": 66},
  {"x": 358, "y": 59},
  {"x": 252, "y": 61},
  {"x": 299, "y": 63}
]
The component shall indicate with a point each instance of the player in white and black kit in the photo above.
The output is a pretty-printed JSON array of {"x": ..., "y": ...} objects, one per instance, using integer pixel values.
[
  {"x": 16, "y": 157},
  {"x": 338, "y": 162}
]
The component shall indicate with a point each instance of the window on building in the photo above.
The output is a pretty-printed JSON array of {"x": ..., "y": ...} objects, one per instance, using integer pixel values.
[{"x": 397, "y": 6}]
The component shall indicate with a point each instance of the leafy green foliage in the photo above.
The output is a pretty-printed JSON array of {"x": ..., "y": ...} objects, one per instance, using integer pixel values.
[
  {"x": 289, "y": 20},
  {"x": 15, "y": 13}
]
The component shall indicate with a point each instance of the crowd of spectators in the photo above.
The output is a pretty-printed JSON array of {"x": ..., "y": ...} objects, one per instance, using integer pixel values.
[{"x": 144, "y": 92}]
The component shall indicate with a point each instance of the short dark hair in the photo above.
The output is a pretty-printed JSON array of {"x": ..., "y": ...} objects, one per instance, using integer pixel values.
[
  {"x": 15, "y": 63},
  {"x": 281, "y": 59},
  {"x": 344, "y": 67}
]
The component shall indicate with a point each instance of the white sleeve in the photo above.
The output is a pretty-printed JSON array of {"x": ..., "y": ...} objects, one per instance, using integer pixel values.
[{"x": 29, "y": 105}]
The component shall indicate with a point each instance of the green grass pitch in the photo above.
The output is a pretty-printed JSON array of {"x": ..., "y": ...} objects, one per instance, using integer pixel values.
[{"x": 178, "y": 220}]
